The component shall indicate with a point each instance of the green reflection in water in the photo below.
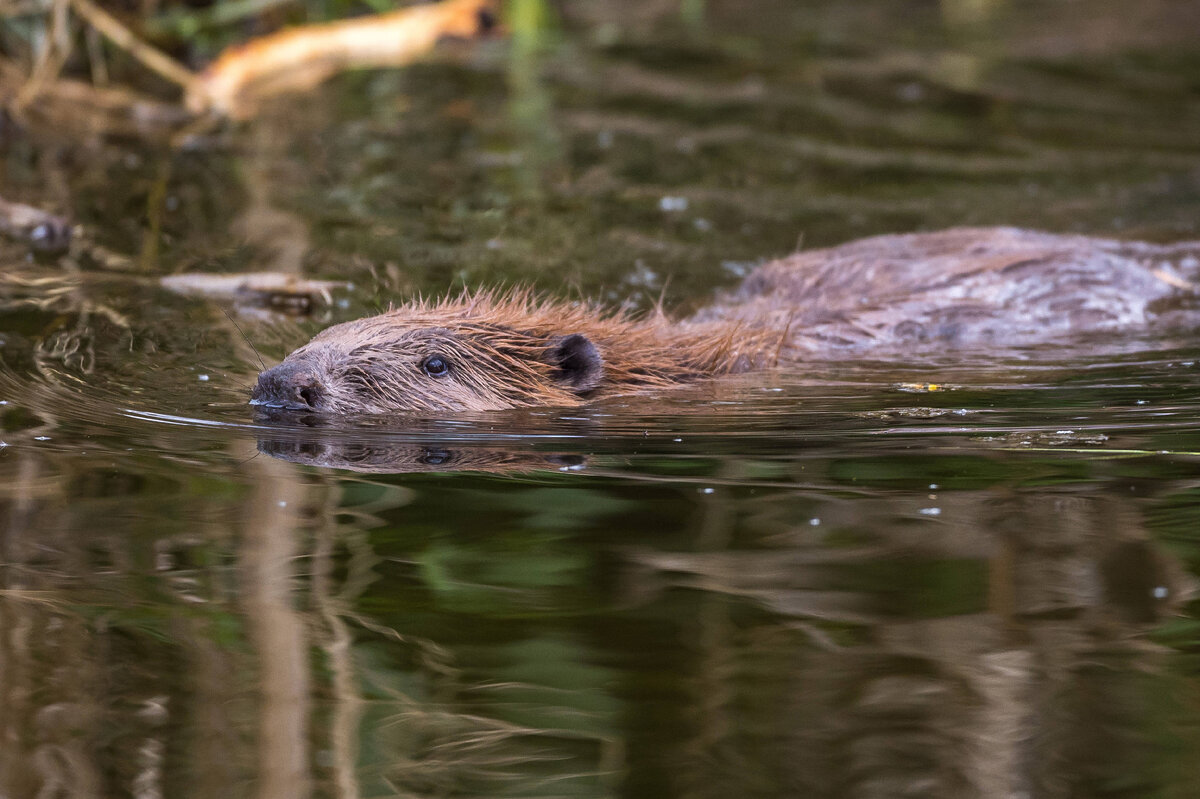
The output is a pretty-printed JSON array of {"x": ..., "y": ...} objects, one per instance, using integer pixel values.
[{"x": 778, "y": 603}]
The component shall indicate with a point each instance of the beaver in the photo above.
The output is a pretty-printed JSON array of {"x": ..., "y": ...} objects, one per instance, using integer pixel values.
[{"x": 962, "y": 290}]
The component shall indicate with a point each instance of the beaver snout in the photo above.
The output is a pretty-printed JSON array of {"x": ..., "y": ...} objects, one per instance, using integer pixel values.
[{"x": 291, "y": 386}]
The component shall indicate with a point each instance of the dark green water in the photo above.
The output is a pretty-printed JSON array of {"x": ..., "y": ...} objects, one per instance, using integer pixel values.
[{"x": 827, "y": 584}]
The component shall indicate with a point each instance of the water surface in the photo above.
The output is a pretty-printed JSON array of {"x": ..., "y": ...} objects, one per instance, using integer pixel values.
[{"x": 940, "y": 578}]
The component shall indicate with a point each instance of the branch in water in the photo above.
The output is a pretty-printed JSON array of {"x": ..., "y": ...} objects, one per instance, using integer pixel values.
[
  {"x": 272, "y": 290},
  {"x": 300, "y": 58}
]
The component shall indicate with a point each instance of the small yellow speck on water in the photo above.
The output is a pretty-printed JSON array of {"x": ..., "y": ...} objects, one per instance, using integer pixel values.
[{"x": 923, "y": 387}]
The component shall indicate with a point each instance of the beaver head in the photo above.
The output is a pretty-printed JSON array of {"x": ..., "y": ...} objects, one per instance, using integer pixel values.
[
  {"x": 412, "y": 361},
  {"x": 490, "y": 352}
]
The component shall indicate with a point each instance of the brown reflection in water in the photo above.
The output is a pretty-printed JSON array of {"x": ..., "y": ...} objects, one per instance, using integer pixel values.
[
  {"x": 220, "y": 750},
  {"x": 268, "y": 558},
  {"x": 39, "y": 748},
  {"x": 333, "y": 603},
  {"x": 72, "y": 721},
  {"x": 282, "y": 236}
]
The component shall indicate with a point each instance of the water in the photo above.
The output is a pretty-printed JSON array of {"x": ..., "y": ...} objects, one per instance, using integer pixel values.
[{"x": 941, "y": 578}]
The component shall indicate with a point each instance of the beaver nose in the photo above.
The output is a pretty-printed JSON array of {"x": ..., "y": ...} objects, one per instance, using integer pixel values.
[{"x": 291, "y": 386}]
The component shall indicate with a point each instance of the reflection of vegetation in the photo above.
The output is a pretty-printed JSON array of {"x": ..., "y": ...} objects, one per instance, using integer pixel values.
[
  {"x": 691, "y": 620},
  {"x": 494, "y": 637},
  {"x": 537, "y": 140},
  {"x": 67, "y": 350}
]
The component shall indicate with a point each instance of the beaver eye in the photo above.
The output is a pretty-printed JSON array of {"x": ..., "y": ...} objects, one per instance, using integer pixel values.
[{"x": 435, "y": 366}]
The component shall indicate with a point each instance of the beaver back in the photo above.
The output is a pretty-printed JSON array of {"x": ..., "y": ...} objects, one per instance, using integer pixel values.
[{"x": 966, "y": 287}]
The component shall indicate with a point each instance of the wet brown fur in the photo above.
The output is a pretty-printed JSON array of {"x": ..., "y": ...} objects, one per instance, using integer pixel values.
[
  {"x": 499, "y": 349},
  {"x": 886, "y": 296}
]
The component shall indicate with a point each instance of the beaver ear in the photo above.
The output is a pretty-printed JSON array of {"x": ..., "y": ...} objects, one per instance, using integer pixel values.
[{"x": 579, "y": 363}]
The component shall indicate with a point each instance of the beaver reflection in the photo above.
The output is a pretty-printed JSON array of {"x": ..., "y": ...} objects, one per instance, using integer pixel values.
[{"x": 408, "y": 457}]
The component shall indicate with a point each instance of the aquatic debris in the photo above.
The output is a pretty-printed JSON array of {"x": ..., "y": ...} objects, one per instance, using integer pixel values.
[
  {"x": 891, "y": 414},
  {"x": 39, "y": 229},
  {"x": 1048, "y": 438},
  {"x": 272, "y": 290},
  {"x": 923, "y": 388}
]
